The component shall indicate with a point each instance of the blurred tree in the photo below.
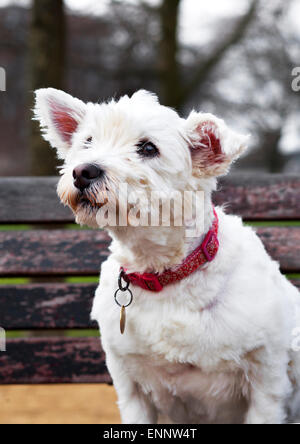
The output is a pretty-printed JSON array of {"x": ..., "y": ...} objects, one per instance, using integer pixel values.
[
  {"x": 169, "y": 69},
  {"x": 240, "y": 71},
  {"x": 46, "y": 69},
  {"x": 242, "y": 74},
  {"x": 257, "y": 95},
  {"x": 176, "y": 88}
]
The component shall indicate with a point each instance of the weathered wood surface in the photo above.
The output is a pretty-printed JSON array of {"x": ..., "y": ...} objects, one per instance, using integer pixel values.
[
  {"x": 260, "y": 196},
  {"x": 52, "y": 252},
  {"x": 255, "y": 197},
  {"x": 46, "y": 306},
  {"x": 31, "y": 200},
  {"x": 80, "y": 252},
  {"x": 283, "y": 244},
  {"x": 50, "y": 306},
  {"x": 53, "y": 360}
]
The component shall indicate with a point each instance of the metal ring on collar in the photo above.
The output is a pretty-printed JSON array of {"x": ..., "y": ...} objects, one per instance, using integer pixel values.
[{"x": 130, "y": 300}]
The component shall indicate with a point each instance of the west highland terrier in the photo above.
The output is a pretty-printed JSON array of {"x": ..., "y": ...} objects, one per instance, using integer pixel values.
[{"x": 208, "y": 320}]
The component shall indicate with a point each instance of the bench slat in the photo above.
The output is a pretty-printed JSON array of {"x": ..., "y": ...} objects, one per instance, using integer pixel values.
[
  {"x": 46, "y": 306},
  {"x": 53, "y": 360},
  {"x": 50, "y": 306},
  {"x": 31, "y": 200},
  {"x": 283, "y": 244},
  {"x": 80, "y": 252},
  {"x": 52, "y": 252},
  {"x": 255, "y": 197},
  {"x": 261, "y": 196}
]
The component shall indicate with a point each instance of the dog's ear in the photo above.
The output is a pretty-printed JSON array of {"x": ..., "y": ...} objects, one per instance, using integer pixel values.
[
  {"x": 59, "y": 115},
  {"x": 213, "y": 145}
]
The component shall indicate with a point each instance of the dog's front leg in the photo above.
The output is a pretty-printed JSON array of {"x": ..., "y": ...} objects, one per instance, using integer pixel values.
[
  {"x": 135, "y": 407},
  {"x": 270, "y": 388}
]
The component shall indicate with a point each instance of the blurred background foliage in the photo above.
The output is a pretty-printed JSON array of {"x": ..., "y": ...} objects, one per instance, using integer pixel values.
[{"x": 232, "y": 58}]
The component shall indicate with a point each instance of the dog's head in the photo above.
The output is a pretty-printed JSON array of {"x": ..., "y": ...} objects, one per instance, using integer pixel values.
[{"x": 135, "y": 141}]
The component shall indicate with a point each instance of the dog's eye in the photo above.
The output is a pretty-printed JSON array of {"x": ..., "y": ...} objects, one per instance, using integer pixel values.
[
  {"x": 88, "y": 142},
  {"x": 147, "y": 149}
]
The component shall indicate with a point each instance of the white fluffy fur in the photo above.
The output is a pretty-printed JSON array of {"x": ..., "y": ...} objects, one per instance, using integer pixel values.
[{"x": 216, "y": 346}]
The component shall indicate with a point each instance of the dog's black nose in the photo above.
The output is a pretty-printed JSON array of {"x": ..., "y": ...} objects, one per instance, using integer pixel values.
[{"x": 85, "y": 174}]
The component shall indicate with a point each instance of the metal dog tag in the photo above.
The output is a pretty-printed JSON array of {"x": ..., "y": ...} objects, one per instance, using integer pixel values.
[
  {"x": 122, "y": 319},
  {"x": 123, "y": 288}
]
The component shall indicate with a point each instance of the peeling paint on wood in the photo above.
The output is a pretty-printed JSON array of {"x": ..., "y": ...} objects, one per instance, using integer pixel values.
[
  {"x": 52, "y": 252},
  {"x": 260, "y": 196},
  {"x": 46, "y": 306},
  {"x": 63, "y": 252},
  {"x": 53, "y": 360},
  {"x": 58, "y": 252},
  {"x": 283, "y": 244},
  {"x": 50, "y": 306}
]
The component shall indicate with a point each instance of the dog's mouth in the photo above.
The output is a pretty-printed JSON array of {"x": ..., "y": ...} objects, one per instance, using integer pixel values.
[{"x": 86, "y": 201}]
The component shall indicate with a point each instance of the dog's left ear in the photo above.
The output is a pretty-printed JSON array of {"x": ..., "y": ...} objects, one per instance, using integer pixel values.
[
  {"x": 213, "y": 145},
  {"x": 59, "y": 115}
]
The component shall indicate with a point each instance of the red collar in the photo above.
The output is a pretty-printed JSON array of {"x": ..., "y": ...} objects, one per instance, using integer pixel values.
[{"x": 206, "y": 252}]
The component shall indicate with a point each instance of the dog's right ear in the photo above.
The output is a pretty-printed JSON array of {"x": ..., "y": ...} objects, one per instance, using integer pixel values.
[{"x": 59, "y": 115}]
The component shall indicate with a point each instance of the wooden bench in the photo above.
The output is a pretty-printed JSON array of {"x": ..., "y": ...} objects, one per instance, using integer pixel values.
[{"x": 49, "y": 250}]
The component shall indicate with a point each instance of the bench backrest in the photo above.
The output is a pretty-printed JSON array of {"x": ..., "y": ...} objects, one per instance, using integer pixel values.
[{"x": 48, "y": 251}]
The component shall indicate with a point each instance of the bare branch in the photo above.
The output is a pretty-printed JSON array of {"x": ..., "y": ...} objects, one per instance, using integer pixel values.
[{"x": 205, "y": 68}]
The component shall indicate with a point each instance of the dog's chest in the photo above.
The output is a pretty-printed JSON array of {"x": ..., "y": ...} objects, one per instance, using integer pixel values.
[
  {"x": 164, "y": 335},
  {"x": 177, "y": 354},
  {"x": 166, "y": 327}
]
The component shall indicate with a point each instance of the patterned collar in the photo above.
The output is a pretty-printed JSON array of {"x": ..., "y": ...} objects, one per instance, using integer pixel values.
[{"x": 206, "y": 252}]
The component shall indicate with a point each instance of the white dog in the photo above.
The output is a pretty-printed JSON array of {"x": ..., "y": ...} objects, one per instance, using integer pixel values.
[{"x": 208, "y": 337}]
